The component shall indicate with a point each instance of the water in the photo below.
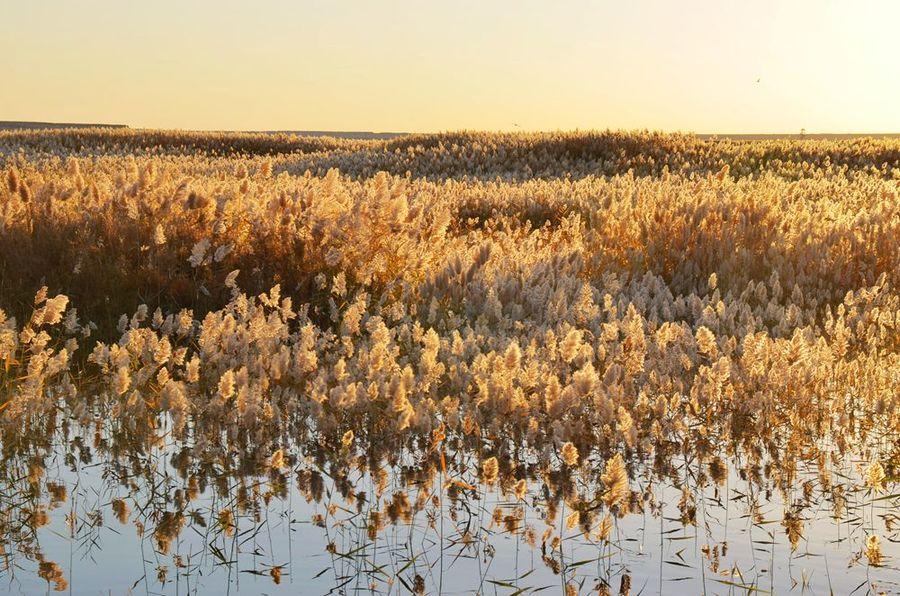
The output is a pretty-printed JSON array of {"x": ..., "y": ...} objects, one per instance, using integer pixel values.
[{"x": 221, "y": 519}]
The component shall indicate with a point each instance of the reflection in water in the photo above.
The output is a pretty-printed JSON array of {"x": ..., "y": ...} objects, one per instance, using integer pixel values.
[{"x": 442, "y": 512}]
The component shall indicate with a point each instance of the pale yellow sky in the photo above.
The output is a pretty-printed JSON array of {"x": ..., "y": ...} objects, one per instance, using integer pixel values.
[{"x": 825, "y": 66}]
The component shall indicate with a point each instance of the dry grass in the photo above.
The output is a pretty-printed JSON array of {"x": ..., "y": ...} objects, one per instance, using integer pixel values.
[{"x": 700, "y": 300}]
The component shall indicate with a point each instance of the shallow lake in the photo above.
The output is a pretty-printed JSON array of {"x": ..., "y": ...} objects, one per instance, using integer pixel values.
[{"x": 89, "y": 510}]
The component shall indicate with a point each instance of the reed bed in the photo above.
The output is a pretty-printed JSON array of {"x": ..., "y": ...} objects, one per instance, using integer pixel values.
[{"x": 596, "y": 314}]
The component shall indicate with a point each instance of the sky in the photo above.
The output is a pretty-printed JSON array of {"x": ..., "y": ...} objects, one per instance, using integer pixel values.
[{"x": 422, "y": 66}]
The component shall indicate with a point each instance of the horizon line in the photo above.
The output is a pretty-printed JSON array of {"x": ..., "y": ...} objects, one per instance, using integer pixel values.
[{"x": 49, "y": 125}]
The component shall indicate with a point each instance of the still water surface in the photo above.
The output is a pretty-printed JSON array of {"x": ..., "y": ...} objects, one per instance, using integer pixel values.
[{"x": 89, "y": 512}]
